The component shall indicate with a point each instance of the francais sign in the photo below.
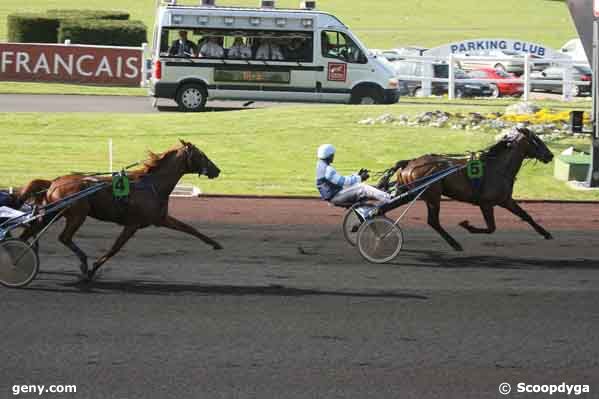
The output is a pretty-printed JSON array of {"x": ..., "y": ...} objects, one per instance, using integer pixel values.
[{"x": 70, "y": 64}]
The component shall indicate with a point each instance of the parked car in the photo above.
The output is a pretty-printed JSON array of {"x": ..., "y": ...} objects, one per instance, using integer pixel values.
[
  {"x": 399, "y": 54},
  {"x": 440, "y": 70},
  {"x": 508, "y": 61},
  {"x": 580, "y": 73},
  {"x": 499, "y": 88}
]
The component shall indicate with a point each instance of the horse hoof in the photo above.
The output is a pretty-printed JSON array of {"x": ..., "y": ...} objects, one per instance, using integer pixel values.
[
  {"x": 465, "y": 224},
  {"x": 458, "y": 248},
  {"x": 548, "y": 236},
  {"x": 217, "y": 247},
  {"x": 90, "y": 276},
  {"x": 84, "y": 269}
]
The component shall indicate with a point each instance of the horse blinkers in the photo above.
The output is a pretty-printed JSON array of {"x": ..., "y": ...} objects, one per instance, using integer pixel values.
[{"x": 537, "y": 148}]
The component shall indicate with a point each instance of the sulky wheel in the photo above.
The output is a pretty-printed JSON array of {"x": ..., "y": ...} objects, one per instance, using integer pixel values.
[
  {"x": 354, "y": 217},
  {"x": 380, "y": 240},
  {"x": 18, "y": 263}
]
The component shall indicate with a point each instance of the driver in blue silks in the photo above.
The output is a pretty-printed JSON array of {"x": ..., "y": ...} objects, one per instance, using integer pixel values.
[
  {"x": 343, "y": 190},
  {"x": 7, "y": 199}
]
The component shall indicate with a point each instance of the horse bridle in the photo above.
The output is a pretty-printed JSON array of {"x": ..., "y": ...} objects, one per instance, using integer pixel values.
[{"x": 189, "y": 161}]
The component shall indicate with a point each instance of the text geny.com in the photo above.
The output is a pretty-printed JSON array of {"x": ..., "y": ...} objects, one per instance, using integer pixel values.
[{"x": 42, "y": 389}]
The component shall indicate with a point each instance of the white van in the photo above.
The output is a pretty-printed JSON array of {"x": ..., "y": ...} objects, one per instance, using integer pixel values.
[{"x": 263, "y": 54}]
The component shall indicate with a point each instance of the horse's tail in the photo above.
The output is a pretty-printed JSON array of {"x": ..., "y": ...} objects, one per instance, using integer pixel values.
[
  {"x": 34, "y": 190},
  {"x": 385, "y": 181}
]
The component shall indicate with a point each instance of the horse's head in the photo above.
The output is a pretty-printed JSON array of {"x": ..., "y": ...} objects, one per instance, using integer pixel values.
[
  {"x": 198, "y": 162},
  {"x": 531, "y": 145}
]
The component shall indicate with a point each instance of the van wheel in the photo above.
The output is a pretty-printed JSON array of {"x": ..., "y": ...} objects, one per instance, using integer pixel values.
[
  {"x": 192, "y": 97},
  {"x": 367, "y": 96}
]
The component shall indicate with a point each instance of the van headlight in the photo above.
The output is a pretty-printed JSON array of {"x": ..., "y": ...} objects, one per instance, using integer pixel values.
[{"x": 393, "y": 84}]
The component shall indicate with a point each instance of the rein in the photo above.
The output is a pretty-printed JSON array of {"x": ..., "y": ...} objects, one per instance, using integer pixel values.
[{"x": 86, "y": 175}]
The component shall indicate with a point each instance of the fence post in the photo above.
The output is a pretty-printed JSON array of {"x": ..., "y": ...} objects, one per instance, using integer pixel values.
[
  {"x": 567, "y": 83},
  {"x": 526, "y": 77},
  {"x": 144, "y": 65},
  {"x": 110, "y": 155},
  {"x": 451, "y": 76},
  {"x": 67, "y": 42},
  {"x": 427, "y": 74}
]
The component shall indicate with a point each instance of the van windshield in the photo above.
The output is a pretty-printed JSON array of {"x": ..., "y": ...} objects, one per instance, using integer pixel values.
[
  {"x": 237, "y": 45},
  {"x": 339, "y": 45}
]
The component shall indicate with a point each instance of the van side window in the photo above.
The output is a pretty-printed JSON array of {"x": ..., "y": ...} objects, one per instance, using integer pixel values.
[
  {"x": 338, "y": 45},
  {"x": 255, "y": 45}
]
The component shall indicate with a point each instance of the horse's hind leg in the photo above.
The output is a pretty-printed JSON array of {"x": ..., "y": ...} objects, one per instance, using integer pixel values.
[
  {"x": 75, "y": 217},
  {"x": 513, "y": 207},
  {"x": 434, "y": 208},
  {"x": 125, "y": 235},
  {"x": 489, "y": 216}
]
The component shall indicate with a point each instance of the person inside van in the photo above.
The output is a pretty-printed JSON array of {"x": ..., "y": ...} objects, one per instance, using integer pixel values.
[
  {"x": 239, "y": 50},
  {"x": 211, "y": 49},
  {"x": 269, "y": 50},
  {"x": 182, "y": 47},
  {"x": 328, "y": 49},
  {"x": 343, "y": 190},
  {"x": 298, "y": 49}
]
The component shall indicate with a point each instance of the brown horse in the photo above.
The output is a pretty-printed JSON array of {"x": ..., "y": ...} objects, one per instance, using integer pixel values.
[
  {"x": 502, "y": 162},
  {"x": 146, "y": 206}
]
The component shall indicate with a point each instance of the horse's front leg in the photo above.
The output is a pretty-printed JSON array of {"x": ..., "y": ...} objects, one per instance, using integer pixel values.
[
  {"x": 513, "y": 207},
  {"x": 171, "y": 223},
  {"x": 122, "y": 239},
  {"x": 489, "y": 216}
]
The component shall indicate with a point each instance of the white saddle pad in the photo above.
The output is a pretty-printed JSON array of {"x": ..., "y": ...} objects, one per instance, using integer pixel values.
[{"x": 9, "y": 213}]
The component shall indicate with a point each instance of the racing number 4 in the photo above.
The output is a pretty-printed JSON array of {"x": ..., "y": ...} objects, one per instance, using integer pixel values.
[{"x": 120, "y": 185}]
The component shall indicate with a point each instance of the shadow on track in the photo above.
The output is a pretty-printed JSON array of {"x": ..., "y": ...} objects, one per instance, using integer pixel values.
[
  {"x": 447, "y": 260},
  {"x": 141, "y": 287}
]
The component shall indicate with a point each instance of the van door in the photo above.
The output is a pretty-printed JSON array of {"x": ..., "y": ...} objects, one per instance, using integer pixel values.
[{"x": 345, "y": 65}]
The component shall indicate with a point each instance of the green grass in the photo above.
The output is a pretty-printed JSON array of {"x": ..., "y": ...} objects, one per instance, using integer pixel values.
[
  {"x": 385, "y": 23},
  {"x": 56, "y": 88},
  {"x": 267, "y": 151},
  {"x": 379, "y": 24}
]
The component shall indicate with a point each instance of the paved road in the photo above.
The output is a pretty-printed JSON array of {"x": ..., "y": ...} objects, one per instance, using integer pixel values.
[
  {"x": 123, "y": 104},
  {"x": 120, "y": 104},
  {"x": 291, "y": 311}
]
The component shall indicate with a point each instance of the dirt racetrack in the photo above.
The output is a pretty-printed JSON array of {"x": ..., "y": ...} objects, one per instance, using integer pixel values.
[{"x": 289, "y": 310}]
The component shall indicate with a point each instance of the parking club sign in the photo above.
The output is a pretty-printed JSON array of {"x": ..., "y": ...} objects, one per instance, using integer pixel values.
[{"x": 481, "y": 46}]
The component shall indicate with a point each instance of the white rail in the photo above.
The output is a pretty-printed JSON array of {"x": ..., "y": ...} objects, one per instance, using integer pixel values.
[{"x": 567, "y": 82}]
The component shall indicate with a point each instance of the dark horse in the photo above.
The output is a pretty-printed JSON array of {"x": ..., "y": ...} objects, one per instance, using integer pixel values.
[
  {"x": 147, "y": 204},
  {"x": 502, "y": 162}
]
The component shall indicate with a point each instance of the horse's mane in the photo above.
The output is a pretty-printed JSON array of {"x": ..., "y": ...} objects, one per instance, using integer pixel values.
[
  {"x": 496, "y": 148},
  {"x": 153, "y": 161}
]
